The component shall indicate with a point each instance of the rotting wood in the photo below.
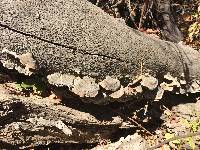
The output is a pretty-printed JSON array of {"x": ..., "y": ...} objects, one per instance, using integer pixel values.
[
  {"x": 27, "y": 122},
  {"x": 75, "y": 39}
]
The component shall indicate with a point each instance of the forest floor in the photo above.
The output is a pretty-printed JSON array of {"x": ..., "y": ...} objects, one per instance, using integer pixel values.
[
  {"x": 178, "y": 116},
  {"x": 175, "y": 116}
]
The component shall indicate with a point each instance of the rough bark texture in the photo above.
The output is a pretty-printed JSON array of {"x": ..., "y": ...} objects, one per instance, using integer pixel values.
[
  {"x": 31, "y": 121},
  {"x": 130, "y": 142},
  {"x": 94, "y": 41},
  {"x": 75, "y": 44}
]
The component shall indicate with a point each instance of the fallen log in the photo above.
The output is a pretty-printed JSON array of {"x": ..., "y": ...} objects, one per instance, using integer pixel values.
[
  {"x": 75, "y": 44},
  {"x": 28, "y": 122}
]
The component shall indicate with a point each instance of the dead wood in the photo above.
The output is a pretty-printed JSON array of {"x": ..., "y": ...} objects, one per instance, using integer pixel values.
[
  {"x": 32, "y": 121},
  {"x": 75, "y": 44}
]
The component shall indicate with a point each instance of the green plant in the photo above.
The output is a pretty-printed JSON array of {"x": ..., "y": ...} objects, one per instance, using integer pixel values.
[
  {"x": 169, "y": 136},
  {"x": 37, "y": 87},
  {"x": 192, "y": 125},
  {"x": 191, "y": 142}
]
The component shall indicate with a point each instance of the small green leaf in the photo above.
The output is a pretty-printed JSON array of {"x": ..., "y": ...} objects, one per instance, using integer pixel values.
[
  {"x": 26, "y": 85},
  {"x": 18, "y": 87},
  {"x": 191, "y": 143},
  {"x": 169, "y": 136},
  {"x": 194, "y": 126},
  {"x": 176, "y": 142},
  {"x": 185, "y": 122}
]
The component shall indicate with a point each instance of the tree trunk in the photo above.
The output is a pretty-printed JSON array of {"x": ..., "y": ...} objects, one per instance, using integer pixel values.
[{"x": 77, "y": 41}]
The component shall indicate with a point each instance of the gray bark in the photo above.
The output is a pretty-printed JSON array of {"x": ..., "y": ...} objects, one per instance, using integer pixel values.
[
  {"x": 69, "y": 35},
  {"x": 75, "y": 38},
  {"x": 76, "y": 44}
]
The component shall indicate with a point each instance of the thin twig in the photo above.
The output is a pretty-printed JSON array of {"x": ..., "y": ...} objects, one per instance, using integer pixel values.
[
  {"x": 117, "y": 3},
  {"x": 144, "y": 9},
  {"x": 174, "y": 138},
  {"x": 133, "y": 121}
]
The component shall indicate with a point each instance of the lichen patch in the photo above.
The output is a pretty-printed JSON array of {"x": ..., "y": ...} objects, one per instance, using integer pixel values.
[
  {"x": 85, "y": 87},
  {"x": 110, "y": 84},
  {"x": 28, "y": 64},
  {"x": 59, "y": 79},
  {"x": 150, "y": 82}
]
